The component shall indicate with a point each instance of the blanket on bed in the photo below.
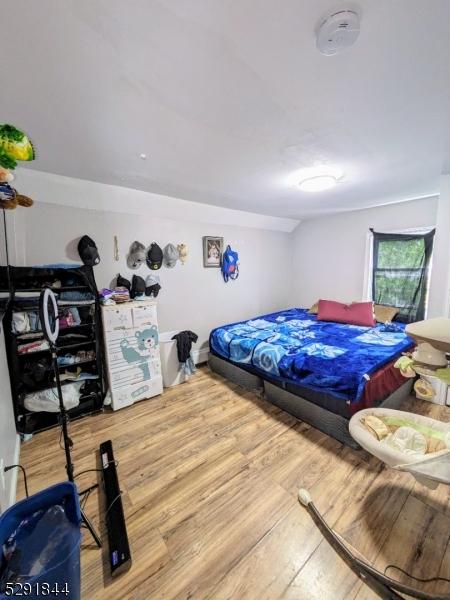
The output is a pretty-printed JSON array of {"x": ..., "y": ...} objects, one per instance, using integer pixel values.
[{"x": 293, "y": 346}]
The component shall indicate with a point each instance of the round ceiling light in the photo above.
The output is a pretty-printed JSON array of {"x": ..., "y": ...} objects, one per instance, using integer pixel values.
[
  {"x": 318, "y": 178},
  {"x": 318, "y": 183}
]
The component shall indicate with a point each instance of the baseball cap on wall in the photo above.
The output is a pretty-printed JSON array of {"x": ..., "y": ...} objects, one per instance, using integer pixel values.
[
  {"x": 171, "y": 255},
  {"x": 136, "y": 255},
  {"x": 154, "y": 257},
  {"x": 88, "y": 251}
]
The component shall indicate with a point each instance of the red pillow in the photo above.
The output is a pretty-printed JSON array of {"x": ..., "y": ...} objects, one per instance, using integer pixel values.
[{"x": 358, "y": 313}]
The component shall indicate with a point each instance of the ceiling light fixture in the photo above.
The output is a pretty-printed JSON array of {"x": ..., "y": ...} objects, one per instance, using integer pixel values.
[
  {"x": 318, "y": 183},
  {"x": 318, "y": 179}
]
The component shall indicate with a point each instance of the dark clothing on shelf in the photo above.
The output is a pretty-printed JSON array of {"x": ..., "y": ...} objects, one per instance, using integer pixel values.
[{"x": 185, "y": 339}]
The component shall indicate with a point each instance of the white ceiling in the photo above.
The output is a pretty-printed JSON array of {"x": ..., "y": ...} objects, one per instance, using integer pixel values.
[{"x": 228, "y": 98}]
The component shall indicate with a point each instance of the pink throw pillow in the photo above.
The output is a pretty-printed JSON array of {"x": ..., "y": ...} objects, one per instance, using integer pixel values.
[{"x": 358, "y": 313}]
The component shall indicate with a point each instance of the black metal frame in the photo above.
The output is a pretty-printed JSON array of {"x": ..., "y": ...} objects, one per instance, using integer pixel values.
[
  {"x": 384, "y": 586},
  {"x": 428, "y": 239},
  {"x": 17, "y": 278}
]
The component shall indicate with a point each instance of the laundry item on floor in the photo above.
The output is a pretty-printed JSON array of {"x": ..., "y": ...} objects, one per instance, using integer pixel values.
[{"x": 184, "y": 340}]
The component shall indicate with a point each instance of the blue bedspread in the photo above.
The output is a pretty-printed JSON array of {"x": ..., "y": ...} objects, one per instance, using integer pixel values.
[{"x": 293, "y": 346}]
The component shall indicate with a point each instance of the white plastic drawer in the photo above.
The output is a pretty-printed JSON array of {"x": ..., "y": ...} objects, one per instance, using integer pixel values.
[{"x": 144, "y": 315}]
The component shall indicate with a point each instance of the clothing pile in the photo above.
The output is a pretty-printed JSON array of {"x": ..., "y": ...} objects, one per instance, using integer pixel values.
[
  {"x": 80, "y": 356},
  {"x": 31, "y": 347},
  {"x": 184, "y": 340},
  {"x": 117, "y": 295},
  {"x": 69, "y": 297},
  {"x": 25, "y": 321}
]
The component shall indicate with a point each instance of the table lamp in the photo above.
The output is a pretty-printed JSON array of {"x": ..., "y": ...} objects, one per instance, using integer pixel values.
[{"x": 433, "y": 339}]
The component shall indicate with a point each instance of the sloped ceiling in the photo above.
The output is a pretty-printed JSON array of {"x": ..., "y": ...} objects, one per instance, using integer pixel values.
[{"x": 228, "y": 99}]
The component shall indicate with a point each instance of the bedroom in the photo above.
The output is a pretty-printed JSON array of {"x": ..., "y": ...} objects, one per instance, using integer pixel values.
[{"x": 196, "y": 126}]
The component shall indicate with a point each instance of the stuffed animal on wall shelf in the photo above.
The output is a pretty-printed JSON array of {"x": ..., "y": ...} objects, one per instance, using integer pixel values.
[{"x": 14, "y": 146}]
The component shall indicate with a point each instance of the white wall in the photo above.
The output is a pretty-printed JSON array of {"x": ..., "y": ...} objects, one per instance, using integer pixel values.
[
  {"x": 439, "y": 301},
  {"x": 330, "y": 253},
  {"x": 192, "y": 297},
  {"x": 9, "y": 440}
]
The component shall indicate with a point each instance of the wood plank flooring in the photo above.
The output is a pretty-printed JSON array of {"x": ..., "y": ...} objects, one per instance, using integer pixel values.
[{"x": 210, "y": 475}]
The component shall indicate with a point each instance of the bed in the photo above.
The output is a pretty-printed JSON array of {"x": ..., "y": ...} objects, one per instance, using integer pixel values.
[{"x": 322, "y": 372}]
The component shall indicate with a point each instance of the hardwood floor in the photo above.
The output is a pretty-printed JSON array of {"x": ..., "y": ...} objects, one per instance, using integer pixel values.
[{"x": 210, "y": 475}]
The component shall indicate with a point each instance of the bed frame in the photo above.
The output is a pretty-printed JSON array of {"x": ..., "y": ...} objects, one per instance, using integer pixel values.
[{"x": 328, "y": 422}]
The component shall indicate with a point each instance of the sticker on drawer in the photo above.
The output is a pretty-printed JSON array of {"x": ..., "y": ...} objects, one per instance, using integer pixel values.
[
  {"x": 115, "y": 319},
  {"x": 144, "y": 315},
  {"x": 133, "y": 393}
]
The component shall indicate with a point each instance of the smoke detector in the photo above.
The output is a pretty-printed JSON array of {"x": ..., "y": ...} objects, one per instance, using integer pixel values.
[{"x": 338, "y": 32}]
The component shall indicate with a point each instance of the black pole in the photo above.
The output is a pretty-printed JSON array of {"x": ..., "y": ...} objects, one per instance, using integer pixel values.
[
  {"x": 63, "y": 412},
  {"x": 68, "y": 442}
]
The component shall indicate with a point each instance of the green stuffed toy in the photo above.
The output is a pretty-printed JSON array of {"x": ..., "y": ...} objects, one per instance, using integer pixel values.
[{"x": 14, "y": 146}]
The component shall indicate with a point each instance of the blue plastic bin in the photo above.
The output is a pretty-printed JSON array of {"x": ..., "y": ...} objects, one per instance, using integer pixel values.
[{"x": 67, "y": 569}]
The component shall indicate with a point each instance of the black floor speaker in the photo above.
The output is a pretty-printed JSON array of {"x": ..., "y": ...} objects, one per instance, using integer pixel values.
[{"x": 119, "y": 548}]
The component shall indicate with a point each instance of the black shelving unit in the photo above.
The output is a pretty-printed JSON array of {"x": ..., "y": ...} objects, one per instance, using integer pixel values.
[{"x": 31, "y": 280}]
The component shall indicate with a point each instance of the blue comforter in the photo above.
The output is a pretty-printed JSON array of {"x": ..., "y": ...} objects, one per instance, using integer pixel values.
[{"x": 293, "y": 346}]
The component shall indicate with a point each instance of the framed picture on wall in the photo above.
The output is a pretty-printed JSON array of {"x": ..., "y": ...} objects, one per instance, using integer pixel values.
[{"x": 212, "y": 251}]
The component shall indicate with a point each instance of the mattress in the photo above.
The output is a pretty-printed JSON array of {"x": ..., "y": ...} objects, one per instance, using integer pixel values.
[{"x": 342, "y": 368}]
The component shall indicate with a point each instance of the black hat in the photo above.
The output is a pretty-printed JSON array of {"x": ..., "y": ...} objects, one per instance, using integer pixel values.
[
  {"x": 137, "y": 286},
  {"x": 154, "y": 257},
  {"x": 122, "y": 282},
  {"x": 88, "y": 251}
]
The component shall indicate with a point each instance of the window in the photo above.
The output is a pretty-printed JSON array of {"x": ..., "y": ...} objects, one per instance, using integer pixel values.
[{"x": 401, "y": 272}]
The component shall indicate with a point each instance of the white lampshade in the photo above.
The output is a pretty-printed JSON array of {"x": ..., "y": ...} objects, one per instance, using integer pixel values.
[{"x": 434, "y": 331}]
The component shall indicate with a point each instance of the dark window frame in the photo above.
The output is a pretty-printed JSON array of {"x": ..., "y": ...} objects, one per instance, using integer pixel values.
[{"x": 417, "y": 310}]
